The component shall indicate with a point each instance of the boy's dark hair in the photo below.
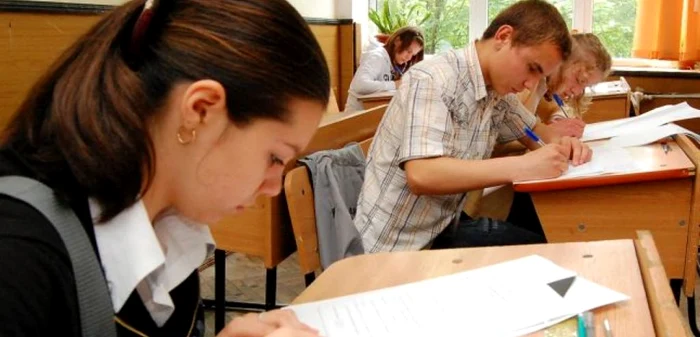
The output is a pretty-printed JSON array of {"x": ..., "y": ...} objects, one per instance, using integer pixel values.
[{"x": 534, "y": 22}]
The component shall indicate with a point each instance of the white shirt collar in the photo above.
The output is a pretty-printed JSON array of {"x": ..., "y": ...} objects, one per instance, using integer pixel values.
[
  {"x": 475, "y": 73},
  {"x": 153, "y": 259}
]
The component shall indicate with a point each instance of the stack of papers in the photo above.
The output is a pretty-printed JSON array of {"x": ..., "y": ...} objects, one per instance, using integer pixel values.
[
  {"x": 640, "y": 124},
  {"x": 650, "y": 135},
  {"x": 513, "y": 298}
]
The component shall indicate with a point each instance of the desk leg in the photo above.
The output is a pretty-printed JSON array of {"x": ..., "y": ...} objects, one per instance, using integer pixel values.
[
  {"x": 692, "y": 321},
  {"x": 219, "y": 290},
  {"x": 690, "y": 302},
  {"x": 676, "y": 288},
  {"x": 271, "y": 288},
  {"x": 220, "y": 305},
  {"x": 309, "y": 278}
]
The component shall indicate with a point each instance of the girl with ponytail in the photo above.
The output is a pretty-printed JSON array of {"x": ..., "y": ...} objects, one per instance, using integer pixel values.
[{"x": 164, "y": 117}]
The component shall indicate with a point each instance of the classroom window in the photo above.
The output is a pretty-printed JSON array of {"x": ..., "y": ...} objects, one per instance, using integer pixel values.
[
  {"x": 453, "y": 23},
  {"x": 445, "y": 23},
  {"x": 565, "y": 7},
  {"x": 613, "y": 23}
]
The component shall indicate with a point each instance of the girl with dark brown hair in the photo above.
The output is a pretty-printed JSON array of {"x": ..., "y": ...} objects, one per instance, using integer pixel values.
[
  {"x": 381, "y": 69},
  {"x": 164, "y": 117}
]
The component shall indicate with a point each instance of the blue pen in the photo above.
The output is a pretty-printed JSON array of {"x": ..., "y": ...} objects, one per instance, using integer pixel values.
[
  {"x": 560, "y": 103},
  {"x": 398, "y": 70},
  {"x": 531, "y": 134}
]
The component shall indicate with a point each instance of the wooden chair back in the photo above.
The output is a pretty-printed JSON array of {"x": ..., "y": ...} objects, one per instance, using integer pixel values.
[{"x": 300, "y": 201}]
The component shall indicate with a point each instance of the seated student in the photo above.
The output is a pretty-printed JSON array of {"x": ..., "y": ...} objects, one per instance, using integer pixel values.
[
  {"x": 381, "y": 69},
  {"x": 155, "y": 123},
  {"x": 588, "y": 64},
  {"x": 434, "y": 142}
]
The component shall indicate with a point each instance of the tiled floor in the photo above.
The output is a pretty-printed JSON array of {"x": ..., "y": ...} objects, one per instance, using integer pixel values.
[{"x": 245, "y": 281}]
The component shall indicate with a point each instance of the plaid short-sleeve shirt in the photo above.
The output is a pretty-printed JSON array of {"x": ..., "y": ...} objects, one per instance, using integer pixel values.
[{"x": 442, "y": 108}]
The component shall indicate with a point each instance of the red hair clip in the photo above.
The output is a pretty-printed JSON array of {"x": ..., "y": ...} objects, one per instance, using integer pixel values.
[{"x": 141, "y": 27}]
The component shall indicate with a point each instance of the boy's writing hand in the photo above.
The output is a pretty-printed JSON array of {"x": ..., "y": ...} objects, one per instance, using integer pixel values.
[
  {"x": 549, "y": 161},
  {"x": 577, "y": 151}
]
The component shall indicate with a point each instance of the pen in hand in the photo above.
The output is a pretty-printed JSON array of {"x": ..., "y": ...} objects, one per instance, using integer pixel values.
[
  {"x": 560, "y": 103},
  {"x": 531, "y": 134}
]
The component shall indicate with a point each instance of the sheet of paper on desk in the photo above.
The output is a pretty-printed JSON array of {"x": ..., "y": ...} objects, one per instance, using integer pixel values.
[
  {"x": 650, "y": 135},
  {"x": 607, "y": 159},
  {"x": 513, "y": 298},
  {"x": 654, "y": 118}
]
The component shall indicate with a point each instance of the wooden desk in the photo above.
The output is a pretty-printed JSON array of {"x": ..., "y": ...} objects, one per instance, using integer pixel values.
[
  {"x": 659, "y": 197},
  {"x": 611, "y": 102},
  {"x": 378, "y": 98},
  {"x": 650, "y": 311}
]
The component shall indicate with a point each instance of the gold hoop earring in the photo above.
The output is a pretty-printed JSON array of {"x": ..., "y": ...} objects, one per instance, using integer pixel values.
[{"x": 193, "y": 135}]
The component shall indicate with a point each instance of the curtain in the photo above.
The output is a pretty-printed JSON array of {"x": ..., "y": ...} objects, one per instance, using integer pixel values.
[{"x": 668, "y": 30}]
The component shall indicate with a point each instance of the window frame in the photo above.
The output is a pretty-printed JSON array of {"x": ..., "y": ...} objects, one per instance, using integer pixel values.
[
  {"x": 479, "y": 12},
  {"x": 582, "y": 17}
]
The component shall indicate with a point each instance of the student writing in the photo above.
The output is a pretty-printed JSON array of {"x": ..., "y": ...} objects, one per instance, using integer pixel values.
[
  {"x": 434, "y": 142},
  {"x": 588, "y": 64},
  {"x": 381, "y": 69},
  {"x": 156, "y": 122}
]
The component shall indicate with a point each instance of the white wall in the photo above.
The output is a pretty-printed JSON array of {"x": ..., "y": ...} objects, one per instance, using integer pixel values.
[
  {"x": 360, "y": 8},
  {"x": 332, "y": 9},
  {"x": 344, "y": 8},
  {"x": 324, "y": 9}
]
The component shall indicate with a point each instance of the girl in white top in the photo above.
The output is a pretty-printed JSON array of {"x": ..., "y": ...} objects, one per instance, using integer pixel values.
[
  {"x": 381, "y": 69},
  {"x": 588, "y": 64}
]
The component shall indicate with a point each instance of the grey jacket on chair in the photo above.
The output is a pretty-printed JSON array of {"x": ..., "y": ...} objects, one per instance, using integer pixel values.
[{"x": 337, "y": 176}]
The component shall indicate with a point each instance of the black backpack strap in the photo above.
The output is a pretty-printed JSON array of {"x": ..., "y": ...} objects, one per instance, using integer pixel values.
[{"x": 94, "y": 301}]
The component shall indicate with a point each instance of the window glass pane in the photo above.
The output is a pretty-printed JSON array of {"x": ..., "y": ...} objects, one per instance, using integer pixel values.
[
  {"x": 565, "y": 7},
  {"x": 613, "y": 23},
  {"x": 445, "y": 23}
]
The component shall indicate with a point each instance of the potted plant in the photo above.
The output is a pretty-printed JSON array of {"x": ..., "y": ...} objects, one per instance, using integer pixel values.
[{"x": 388, "y": 19}]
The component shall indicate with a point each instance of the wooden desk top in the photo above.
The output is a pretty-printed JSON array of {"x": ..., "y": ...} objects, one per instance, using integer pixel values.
[
  {"x": 654, "y": 165},
  {"x": 377, "y": 96},
  {"x": 613, "y": 264}
]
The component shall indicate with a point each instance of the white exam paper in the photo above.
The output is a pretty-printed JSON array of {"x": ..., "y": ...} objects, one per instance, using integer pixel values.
[
  {"x": 507, "y": 299},
  {"x": 650, "y": 135},
  {"x": 654, "y": 118}
]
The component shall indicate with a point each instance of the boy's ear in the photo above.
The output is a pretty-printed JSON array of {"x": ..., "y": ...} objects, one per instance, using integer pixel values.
[{"x": 503, "y": 36}]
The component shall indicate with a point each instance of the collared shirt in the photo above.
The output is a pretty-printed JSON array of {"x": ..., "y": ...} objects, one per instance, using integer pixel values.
[
  {"x": 442, "y": 109},
  {"x": 151, "y": 259}
]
